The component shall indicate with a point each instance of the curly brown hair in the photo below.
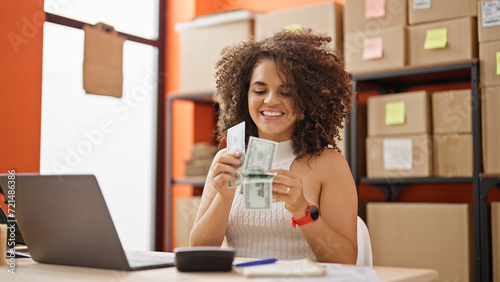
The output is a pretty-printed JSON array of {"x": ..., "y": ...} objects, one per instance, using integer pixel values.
[{"x": 321, "y": 93}]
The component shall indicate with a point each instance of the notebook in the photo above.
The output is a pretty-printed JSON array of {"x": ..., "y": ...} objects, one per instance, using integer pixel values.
[{"x": 64, "y": 220}]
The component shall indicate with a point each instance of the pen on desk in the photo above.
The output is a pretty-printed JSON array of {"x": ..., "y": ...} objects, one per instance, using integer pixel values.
[{"x": 257, "y": 262}]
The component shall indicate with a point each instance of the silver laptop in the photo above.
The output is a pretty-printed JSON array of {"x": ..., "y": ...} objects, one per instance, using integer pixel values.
[{"x": 64, "y": 220}]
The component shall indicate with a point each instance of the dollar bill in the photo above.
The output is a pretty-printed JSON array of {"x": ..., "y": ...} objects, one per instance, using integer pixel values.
[
  {"x": 257, "y": 191},
  {"x": 260, "y": 155},
  {"x": 236, "y": 143}
]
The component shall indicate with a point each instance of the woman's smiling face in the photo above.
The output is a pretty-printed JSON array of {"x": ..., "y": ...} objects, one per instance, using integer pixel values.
[{"x": 270, "y": 101}]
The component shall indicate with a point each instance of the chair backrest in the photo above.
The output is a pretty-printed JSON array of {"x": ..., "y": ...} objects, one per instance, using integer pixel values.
[{"x": 364, "y": 245}]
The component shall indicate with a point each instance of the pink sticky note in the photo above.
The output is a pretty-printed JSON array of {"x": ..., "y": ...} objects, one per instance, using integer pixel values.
[
  {"x": 374, "y": 9},
  {"x": 373, "y": 48}
]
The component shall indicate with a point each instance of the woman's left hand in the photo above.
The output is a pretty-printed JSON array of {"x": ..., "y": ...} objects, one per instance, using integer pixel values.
[{"x": 287, "y": 187}]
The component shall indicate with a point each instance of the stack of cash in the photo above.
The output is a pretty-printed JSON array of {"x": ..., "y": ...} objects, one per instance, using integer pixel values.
[{"x": 259, "y": 156}]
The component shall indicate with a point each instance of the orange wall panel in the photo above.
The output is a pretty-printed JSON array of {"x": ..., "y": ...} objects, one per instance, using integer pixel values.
[{"x": 21, "y": 35}]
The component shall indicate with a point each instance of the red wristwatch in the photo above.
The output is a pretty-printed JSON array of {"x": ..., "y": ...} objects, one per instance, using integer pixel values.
[{"x": 312, "y": 214}]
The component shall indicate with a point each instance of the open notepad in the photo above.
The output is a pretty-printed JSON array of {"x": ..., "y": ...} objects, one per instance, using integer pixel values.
[{"x": 284, "y": 268}]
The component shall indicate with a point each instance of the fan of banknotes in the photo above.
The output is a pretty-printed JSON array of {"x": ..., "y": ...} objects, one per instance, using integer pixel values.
[{"x": 259, "y": 156}]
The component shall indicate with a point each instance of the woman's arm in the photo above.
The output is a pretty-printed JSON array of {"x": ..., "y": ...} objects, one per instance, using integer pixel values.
[
  {"x": 333, "y": 236},
  {"x": 211, "y": 221}
]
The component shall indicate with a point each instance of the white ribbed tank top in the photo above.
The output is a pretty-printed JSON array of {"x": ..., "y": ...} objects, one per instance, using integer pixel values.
[{"x": 269, "y": 233}]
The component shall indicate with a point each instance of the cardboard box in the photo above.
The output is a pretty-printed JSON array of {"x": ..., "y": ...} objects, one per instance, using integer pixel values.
[
  {"x": 382, "y": 49},
  {"x": 358, "y": 17},
  {"x": 429, "y": 11},
  {"x": 322, "y": 18},
  {"x": 490, "y": 101},
  {"x": 446, "y": 41},
  {"x": 3, "y": 244},
  {"x": 489, "y": 63},
  {"x": 401, "y": 113},
  {"x": 488, "y": 27},
  {"x": 201, "y": 42},
  {"x": 495, "y": 240},
  {"x": 452, "y": 155},
  {"x": 452, "y": 111},
  {"x": 423, "y": 235},
  {"x": 186, "y": 210},
  {"x": 399, "y": 157}
]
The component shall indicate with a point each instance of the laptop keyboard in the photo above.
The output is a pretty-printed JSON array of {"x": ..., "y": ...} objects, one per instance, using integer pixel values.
[{"x": 143, "y": 259}]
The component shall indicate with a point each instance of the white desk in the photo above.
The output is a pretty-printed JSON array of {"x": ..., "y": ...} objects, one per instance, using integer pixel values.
[{"x": 28, "y": 270}]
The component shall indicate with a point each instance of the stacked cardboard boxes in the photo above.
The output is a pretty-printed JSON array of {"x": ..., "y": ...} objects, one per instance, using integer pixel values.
[
  {"x": 201, "y": 42},
  {"x": 452, "y": 133},
  {"x": 441, "y": 31},
  {"x": 489, "y": 64},
  {"x": 424, "y": 235},
  {"x": 375, "y": 35},
  {"x": 399, "y": 141},
  {"x": 202, "y": 156}
]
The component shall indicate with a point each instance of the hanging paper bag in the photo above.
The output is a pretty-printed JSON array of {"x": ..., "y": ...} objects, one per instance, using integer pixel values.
[{"x": 103, "y": 60}]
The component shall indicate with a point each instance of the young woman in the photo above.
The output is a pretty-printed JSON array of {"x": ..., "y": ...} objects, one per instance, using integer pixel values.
[{"x": 290, "y": 88}]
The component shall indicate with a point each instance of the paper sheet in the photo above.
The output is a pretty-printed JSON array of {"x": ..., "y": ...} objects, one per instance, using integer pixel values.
[
  {"x": 334, "y": 273},
  {"x": 490, "y": 13},
  {"x": 398, "y": 154},
  {"x": 421, "y": 4},
  {"x": 284, "y": 268}
]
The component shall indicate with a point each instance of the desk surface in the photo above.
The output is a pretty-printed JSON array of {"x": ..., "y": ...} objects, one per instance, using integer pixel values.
[{"x": 28, "y": 270}]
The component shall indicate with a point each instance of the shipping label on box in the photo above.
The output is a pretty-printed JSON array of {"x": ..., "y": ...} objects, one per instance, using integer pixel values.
[
  {"x": 322, "y": 18},
  {"x": 424, "y": 11},
  {"x": 423, "y": 235},
  {"x": 442, "y": 42},
  {"x": 399, "y": 157},
  {"x": 452, "y": 155},
  {"x": 372, "y": 15},
  {"x": 382, "y": 49},
  {"x": 452, "y": 111},
  {"x": 490, "y": 101},
  {"x": 489, "y": 63},
  {"x": 401, "y": 113},
  {"x": 488, "y": 20}
]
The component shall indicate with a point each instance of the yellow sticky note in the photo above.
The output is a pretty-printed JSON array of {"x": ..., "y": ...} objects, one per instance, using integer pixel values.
[
  {"x": 294, "y": 28},
  {"x": 436, "y": 38},
  {"x": 498, "y": 63},
  {"x": 395, "y": 113}
]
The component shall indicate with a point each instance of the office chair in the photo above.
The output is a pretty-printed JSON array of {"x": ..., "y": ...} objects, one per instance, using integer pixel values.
[{"x": 364, "y": 245}]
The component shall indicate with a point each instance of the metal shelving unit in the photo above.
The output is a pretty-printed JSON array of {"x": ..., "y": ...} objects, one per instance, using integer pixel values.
[
  {"x": 394, "y": 81},
  {"x": 397, "y": 81},
  {"x": 195, "y": 181}
]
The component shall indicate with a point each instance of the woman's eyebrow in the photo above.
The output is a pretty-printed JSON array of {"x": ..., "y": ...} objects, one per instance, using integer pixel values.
[{"x": 258, "y": 83}]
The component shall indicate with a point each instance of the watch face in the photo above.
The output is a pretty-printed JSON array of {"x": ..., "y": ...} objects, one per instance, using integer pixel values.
[{"x": 314, "y": 212}]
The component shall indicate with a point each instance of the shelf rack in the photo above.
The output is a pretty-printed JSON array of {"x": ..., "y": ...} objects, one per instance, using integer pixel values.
[
  {"x": 397, "y": 81},
  {"x": 195, "y": 181}
]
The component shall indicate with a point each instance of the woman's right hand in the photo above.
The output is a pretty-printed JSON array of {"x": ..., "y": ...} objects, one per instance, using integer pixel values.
[{"x": 223, "y": 170}]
